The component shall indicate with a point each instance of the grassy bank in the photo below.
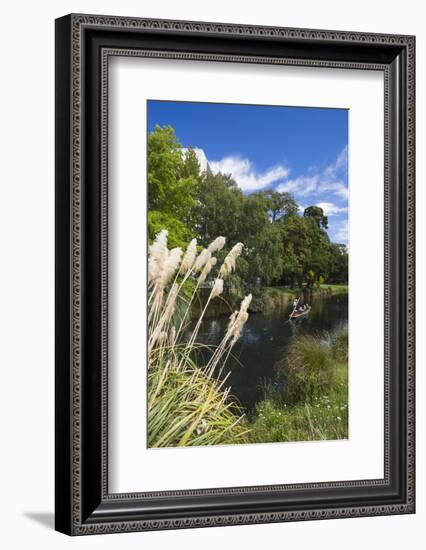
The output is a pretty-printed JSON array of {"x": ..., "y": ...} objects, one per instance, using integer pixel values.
[
  {"x": 314, "y": 405},
  {"x": 336, "y": 289},
  {"x": 268, "y": 298},
  {"x": 265, "y": 299}
]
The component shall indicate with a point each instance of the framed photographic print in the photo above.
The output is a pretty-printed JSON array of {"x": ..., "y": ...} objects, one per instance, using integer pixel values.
[{"x": 234, "y": 274}]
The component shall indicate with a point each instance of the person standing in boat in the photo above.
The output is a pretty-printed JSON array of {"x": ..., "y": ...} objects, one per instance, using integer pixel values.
[{"x": 295, "y": 302}]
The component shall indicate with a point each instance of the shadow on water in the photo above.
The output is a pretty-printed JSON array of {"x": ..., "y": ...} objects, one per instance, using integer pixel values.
[{"x": 265, "y": 338}]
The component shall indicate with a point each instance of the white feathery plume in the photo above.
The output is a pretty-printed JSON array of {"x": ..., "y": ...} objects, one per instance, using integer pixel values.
[
  {"x": 169, "y": 308},
  {"x": 189, "y": 257},
  {"x": 231, "y": 321},
  {"x": 169, "y": 267},
  {"x": 206, "y": 270},
  {"x": 162, "y": 338},
  {"x": 246, "y": 303},
  {"x": 238, "y": 319},
  {"x": 172, "y": 336},
  {"x": 166, "y": 315},
  {"x": 203, "y": 257},
  {"x": 158, "y": 253},
  {"x": 217, "y": 244},
  {"x": 156, "y": 335},
  {"x": 228, "y": 265},
  {"x": 217, "y": 288}
]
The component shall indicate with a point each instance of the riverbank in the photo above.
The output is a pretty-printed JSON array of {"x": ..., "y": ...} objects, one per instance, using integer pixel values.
[
  {"x": 336, "y": 289},
  {"x": 314, "y": 405},
  {"x": 241, "y": 378},
  {"x": 285, "y": 388},
  {"x": 269, "y": 298}
]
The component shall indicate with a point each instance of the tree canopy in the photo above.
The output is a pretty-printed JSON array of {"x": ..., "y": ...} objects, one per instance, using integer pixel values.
[
  {"x": 317, "y": 214},
  {"x": 281, "y": 246}
]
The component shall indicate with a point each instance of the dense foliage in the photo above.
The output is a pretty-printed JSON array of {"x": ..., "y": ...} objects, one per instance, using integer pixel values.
[{"x": 281, "y": 246}]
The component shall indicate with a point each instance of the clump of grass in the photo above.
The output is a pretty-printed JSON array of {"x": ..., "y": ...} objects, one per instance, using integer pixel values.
[
  {"x": 188, "y": 403},
  {"x": 309, "y": 368},
  {"x": 187, "y": 407}
]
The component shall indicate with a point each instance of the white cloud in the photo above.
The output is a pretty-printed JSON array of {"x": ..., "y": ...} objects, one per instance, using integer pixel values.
[
  {"x": 333, "y": 176},
  {"x": 243, "y": 172},
  {"x": 241, "y": 169},
  {"x": 331, "y": 209},
  {"x": 302, "y": 186},
  {"x": 330, "y": 179},
  {"x": 342, "y": 191},
  {"x": 341, "y": 234},
  {"x": 340, "y": 166},
  {"x": 336, "y": 187}
]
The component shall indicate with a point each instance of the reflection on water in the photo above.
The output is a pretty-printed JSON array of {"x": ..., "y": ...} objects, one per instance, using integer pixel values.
[{"x": 265, "y": 338}]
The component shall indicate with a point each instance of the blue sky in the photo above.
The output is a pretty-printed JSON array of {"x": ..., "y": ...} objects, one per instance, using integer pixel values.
[{"x": 297, "y": 149}]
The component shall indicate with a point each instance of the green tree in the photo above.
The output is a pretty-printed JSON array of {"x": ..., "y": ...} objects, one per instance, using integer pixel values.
[
  {"x": 320, "y": 260},
  {"x": 317, "y": 214},
  {"x": 307, "y": 255},
  {"x": 292, "y": 272},
  {"x": 297, "y": 242},
  {"x": 219, "y": 208},
  {"x": 255, "y": 218},
  {"x": 179, "y": 233},
  {"x": 266, "y": 257},
  {"x": 280, "y": 246},
  {"x": 173, "y": 180},
  {"x": 281, "y": 205},
  {"x": 191, "y": 166},
  {"x": 339, "y": 264}
]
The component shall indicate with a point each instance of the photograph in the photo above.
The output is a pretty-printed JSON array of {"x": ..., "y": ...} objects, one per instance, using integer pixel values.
[{"x": 248, "y": 273}]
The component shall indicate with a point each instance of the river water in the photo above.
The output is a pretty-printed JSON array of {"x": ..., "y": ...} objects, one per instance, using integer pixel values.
[{"x": 265, "y": 338}]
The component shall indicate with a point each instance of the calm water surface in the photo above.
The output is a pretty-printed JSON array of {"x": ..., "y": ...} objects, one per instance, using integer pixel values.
[{"x": 265, "y": 338}]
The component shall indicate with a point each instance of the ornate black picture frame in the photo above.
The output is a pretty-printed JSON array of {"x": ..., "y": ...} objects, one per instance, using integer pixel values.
[{"x": 83, "y": 45}]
